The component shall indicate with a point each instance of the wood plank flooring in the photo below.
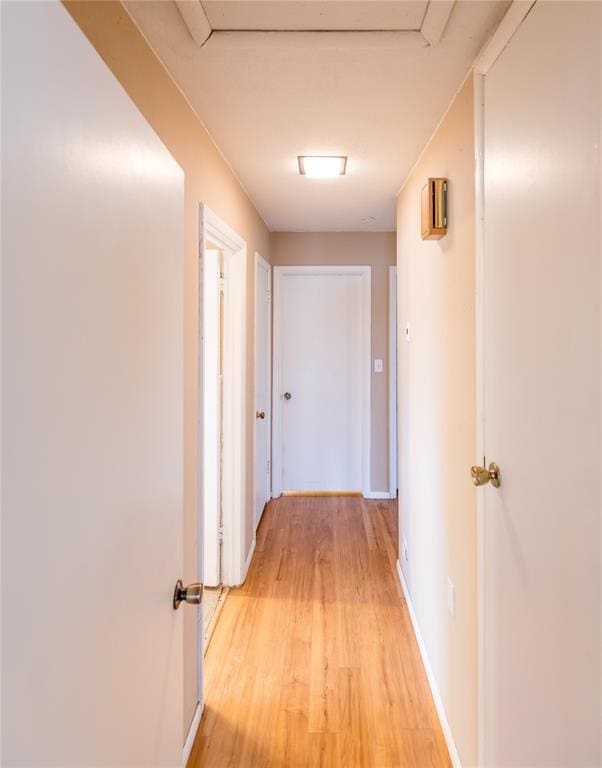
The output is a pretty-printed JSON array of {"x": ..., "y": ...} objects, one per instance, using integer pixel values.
[{"x": 313, "y": 661}]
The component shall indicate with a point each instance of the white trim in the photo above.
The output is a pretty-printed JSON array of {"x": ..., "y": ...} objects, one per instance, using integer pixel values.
[
  {"x": 210, "y": 423},
  {"x": 479, "y": 139},
  {"x": 378, "y": 495},
  {"x": 247, "y": 565},
  {"x": 260, "y": 262},
  {"x": 435, "y": 20},
  {"x": 216, "y": 230},
  {"x": 196, "y": 21},
  {"x": 192, "y": 732},
  {"x": 365, "y": 273},
  {"x": 445, "y": 727},
  {"x": 393, "y": 409},
  {"x": 234, "y": 249},
  {"x": 514, "y": 17}
]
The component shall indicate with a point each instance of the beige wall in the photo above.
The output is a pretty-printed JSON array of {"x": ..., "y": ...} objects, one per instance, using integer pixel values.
[
  {"x": 208, "y": 179},
  {"x": 437, "y": 419},
  {"x": 374, "y": 249}
]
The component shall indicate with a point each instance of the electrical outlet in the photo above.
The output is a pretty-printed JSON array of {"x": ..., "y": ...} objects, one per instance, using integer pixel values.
[
  {"x": 451, "y": 597},
  {"x": 405, "y": 549}
]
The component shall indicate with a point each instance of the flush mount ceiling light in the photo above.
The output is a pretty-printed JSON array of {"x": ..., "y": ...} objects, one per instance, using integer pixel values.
[{"x": 322, "y": 167}]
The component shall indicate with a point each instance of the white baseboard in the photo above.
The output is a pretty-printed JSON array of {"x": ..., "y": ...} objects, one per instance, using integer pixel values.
[
  {"x": 447, "y": 732},
  {"x": 245, "y": 568},
  {"x": 270, "y": 497},
  {"x": 377, "y": 495},
  {"x": 192, "y": 732}
]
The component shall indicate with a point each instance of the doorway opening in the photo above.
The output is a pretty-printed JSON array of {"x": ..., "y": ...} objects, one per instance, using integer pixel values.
[{"x": 222, "y": 415}]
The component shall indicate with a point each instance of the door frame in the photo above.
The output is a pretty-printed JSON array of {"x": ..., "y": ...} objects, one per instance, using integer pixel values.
[
  {"x": 479, "y": 150},
  {"x": 261, "y": 263},
  {"x": 234, "y": 249},
  {"x": 209, "y": 415},
  {"x": 365, "y": 273},
  {"x": 393, "y": 409}
]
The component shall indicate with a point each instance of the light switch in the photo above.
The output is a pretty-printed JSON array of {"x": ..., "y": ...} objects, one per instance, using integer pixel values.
[
  {"x": 406, "y": 331},
  {"x": 378, "y": 365}
]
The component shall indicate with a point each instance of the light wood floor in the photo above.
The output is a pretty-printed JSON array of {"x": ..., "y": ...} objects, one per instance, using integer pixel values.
[{"x": 313, "y": 661}]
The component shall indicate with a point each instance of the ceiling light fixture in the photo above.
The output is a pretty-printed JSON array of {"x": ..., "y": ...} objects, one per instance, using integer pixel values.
[
  {"x": 368, "y": 219},
  {"x": 322, "y": 167}
]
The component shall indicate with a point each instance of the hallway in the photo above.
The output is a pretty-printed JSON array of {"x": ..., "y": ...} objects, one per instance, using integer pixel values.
[
  {"x": 301, "y": 307},
  {"x": 314, "y": 661}
]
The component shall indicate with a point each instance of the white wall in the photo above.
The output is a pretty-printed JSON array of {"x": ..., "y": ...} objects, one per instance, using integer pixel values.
[{"x": 437, "y": 419}]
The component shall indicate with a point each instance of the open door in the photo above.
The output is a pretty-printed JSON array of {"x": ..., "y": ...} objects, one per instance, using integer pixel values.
[
  {"x": 540, "y": 557},
  {"x": 92, "y": 387}
]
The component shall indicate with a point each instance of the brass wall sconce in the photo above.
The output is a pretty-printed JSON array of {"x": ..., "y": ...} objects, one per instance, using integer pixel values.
[{"x": 433, "y": 203}]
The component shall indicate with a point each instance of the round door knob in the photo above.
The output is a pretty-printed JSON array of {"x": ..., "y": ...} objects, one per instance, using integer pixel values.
[
  {"x": 260, "y": 414},
  {"x": 192, "y": 594},
  {"x": 484, "y": 475},
  {"x": 287, "y": 395}
]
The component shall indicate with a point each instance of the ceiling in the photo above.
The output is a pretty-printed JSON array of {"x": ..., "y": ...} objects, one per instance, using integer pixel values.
[
  {"x": 273, "y": 79},
  {"x": 314, "y": 14}
]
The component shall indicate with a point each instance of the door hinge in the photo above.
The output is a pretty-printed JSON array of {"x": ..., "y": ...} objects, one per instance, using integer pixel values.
[
  {"x": 269, "y": 463},
  {"x": 220, "y": 533},
  {"x": 222, "y": 284},
  {"x": 269, "y": 295}
]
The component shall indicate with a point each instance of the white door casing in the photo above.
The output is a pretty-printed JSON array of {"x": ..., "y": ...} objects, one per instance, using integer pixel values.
[
  {"x": 92, "y": 424},
  {"x": 393, "y": 410},
  {"x": 211, "y": 418},
  {"x": 219, "y": 235},
  {"x": 539, "y": 369},
  {"x": 263, "y": 384},
  {"x": 322, "y": 327}
]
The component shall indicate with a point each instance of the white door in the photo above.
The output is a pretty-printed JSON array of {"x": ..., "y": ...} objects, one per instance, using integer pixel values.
[
  {"x": 92, "y": 330},
  {"x": 263, "y": 379},
  {"x": 541, "y": 579},
  {"x": 322, "y": 378}
]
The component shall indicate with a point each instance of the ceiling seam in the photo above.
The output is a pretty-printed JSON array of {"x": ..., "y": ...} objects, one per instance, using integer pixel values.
[
  {"x": 207, "y": 17},
  {"x": 426, "y": 10},
  {"x": 315, "y": 31},
  {"x": 209, "y": 36}
]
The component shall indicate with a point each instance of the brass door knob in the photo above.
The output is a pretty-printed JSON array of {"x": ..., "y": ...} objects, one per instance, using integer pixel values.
[
  {"x": 484, "y": 475},
  {"x": 260, "y": 414},
  {"x": 192, "y": 594}
]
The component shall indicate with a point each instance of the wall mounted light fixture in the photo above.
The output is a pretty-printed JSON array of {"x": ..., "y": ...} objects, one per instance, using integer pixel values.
[{"x": 433, "y": 205}]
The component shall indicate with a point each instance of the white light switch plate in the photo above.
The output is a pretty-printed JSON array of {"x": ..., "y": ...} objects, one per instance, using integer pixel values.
[
  {"x": 406, "y": 331},
  {"x": 378, "y": 365}
]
